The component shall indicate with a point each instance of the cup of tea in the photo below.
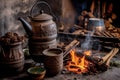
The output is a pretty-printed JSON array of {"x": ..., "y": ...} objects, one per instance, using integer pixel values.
[{"x": 53, "y": 61}]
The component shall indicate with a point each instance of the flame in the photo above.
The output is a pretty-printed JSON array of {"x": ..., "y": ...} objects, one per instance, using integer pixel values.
[
  {"x": 87, "y": 52},
  {"x": 78, "y": 64}
]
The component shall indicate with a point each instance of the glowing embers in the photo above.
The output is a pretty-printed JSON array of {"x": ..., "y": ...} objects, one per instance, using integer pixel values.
[{"x": 78, "y": 64}]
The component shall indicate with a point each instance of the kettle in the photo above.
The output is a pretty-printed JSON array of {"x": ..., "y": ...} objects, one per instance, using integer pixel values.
[
  {"x": 41, "y": 25},
  {"x": 42, "y": 33}
]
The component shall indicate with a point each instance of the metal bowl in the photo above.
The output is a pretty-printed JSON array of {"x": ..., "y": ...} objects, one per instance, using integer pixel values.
[{"x": 96, "y": 24}]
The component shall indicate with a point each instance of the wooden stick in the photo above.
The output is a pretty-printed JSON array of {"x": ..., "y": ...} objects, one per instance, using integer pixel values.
[
  {"x": 72, "y": 45},
  {"x": 106, "y": 59},
  {"x": 77, "y": 32},
  {"x": 114, "y": 53},
  {"x": 89, "y": 58},
  {"x": 92, "y": 6},
  {"x": 101, "y": 34},
  {"x": 107, "y": 33},
  {"x": 113, "y": 35},
  {"x": 77, "y": 26},
  {"x": 107, "y": 56},
  {"x": 104, "y": 34},
  {"x": 103, "y": 9}
]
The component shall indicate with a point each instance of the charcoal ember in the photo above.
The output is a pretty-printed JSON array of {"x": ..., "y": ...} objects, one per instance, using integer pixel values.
[
  {"x": 92, "y": 68},
  {"x": 72, "y": 66},
  {"x": 79, "y": 70},
  {"x": 72, "y": 62},
  {"x": 97, "y": 59},
  {"x": 67, "y": 63},
  {"x": 102, "y": 67}
]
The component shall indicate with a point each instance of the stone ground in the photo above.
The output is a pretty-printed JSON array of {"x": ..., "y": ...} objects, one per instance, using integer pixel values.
[{"x": 111, "y": 74}]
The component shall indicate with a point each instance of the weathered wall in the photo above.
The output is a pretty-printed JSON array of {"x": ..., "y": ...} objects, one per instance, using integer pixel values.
[
  {"x": 61, "y": 10},
  {"x": 68, "y": 14},
  {"x": 56, "y": 10},
  {"x": 64, "y": 12},
  {"x": 10, "y": 10}
]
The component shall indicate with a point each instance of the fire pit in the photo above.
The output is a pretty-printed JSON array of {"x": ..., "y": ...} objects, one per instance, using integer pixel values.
[
  {"x": 79, "y": 64},
  {"x": 86, "y": 63}
]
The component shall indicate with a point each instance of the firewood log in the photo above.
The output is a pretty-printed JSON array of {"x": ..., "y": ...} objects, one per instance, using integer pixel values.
[
  {"x": 106, "y": 59},
  {"x": 70, "y": 46}
]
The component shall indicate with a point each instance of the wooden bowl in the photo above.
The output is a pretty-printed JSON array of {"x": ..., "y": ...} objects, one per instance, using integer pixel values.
[{"x": 36, "y": 73}]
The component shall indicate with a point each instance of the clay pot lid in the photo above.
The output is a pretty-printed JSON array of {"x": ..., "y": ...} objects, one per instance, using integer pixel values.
[{"x": 42, "y": 16}]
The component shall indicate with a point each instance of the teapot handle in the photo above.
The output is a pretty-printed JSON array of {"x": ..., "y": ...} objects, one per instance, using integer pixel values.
[
  {"x": 39, "y": 2},
  {"x": 42, "y": 2}
]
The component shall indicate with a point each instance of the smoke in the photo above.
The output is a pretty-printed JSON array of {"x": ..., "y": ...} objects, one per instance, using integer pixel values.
[
  {"x": 88, "y": 43},
  {"x": 91, "y": 43},
  {"x": 8, "y": 15},
  {"x": 11, "y": 8}
]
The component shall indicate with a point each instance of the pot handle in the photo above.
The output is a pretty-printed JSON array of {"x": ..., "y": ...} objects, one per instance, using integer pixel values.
[
  {"x": 42, "y": 2},
  {"x": 39, "y": 2}
]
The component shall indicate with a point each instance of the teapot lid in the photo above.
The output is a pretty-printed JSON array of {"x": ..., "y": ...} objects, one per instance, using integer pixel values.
[{"x": 42, "y": 16}]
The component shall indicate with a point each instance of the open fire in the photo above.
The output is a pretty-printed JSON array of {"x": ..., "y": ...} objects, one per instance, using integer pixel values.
[
  {"x": 86, "y": 63},
  {"x": 78, "y": 64}
]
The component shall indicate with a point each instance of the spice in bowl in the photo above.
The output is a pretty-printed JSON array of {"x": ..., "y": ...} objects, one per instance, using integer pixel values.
[{"x": 36, "y": 73}]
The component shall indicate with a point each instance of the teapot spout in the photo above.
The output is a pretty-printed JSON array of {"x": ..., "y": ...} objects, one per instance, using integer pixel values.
[{"x": 27, "y": 26}]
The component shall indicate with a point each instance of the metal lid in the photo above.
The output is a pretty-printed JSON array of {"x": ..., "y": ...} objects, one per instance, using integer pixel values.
[{"x": 42, "y": 16}]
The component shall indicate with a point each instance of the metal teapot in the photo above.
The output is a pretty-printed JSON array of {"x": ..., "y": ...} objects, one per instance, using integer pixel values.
[{"x": 41, "y": 25}]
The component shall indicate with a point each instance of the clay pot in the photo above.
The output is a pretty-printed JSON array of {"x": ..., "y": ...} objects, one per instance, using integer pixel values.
[
  {"x": 53, "y": 61},
  {"x": 12, "y": 57}
]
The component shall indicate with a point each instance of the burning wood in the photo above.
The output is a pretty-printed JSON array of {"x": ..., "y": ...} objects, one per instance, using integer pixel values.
[
  {"x": 70, "y": 46},
  {"x": 88, "y": 64},
  {"x": 80, "y": 63}
]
